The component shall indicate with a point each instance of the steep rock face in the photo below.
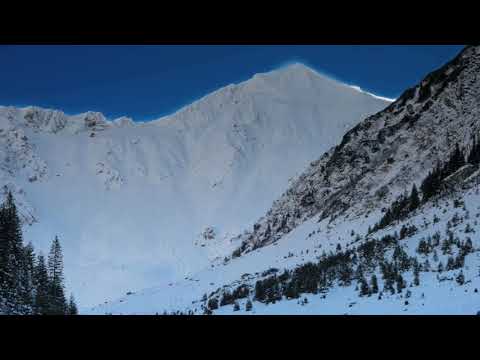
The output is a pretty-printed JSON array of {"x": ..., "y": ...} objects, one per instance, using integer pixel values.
[{"x": 383, "y": 155}]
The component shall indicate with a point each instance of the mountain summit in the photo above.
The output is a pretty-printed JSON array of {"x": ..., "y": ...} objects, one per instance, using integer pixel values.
[
  {"x": 137, "y": 204},
  {"x": 384, "y": 222}
]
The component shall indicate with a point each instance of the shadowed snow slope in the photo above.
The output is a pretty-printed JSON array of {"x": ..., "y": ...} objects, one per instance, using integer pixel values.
[{"x": 131, "y": 201}]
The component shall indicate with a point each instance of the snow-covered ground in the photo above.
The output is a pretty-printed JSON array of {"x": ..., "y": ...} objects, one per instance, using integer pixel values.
[
  {"x": 130, "y": 202},
  {"x": 438, "y": 293}
]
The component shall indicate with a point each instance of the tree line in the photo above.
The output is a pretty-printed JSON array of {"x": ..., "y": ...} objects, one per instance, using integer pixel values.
[
  {"x": 430, "y": 186},
  {"x": 30, "y": 284},
  {"x": 357, "y": 265}
]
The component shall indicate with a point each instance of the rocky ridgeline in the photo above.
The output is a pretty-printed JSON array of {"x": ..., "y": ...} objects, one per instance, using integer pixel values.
[{"x": 384, "y": 155}]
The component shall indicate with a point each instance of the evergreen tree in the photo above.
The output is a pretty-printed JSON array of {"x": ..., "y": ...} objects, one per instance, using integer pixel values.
[
  {"x": 414, "y": 198},
  {"x": 42, "y": 287},
  {"x": 72, "y": 306},
  {"x": 416, "y": 276},
  {"x": 57, "y": 301},
  {"x": 364, "y": 289},
  {"x": 474, "y": 156},
  {"x": 248, "y": 305},
  {"x": 374, "y": 284},
  {"x": 27, "y": 286},
  {"x": 460, "y": 278},
  {"x": 213, "y": 304},
  {"x": 11, "y": 258},
  {"x": 400, "y": 283},
  {"x": 27, "y": 283}
]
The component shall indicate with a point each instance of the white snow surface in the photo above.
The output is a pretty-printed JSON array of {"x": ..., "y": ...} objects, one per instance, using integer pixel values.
[
  {"x": 130, "y": 201},
  {"x": 437, "y": 294}
]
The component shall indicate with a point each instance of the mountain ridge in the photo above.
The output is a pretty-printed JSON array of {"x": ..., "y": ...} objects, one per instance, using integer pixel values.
[
  {"x": 404, "y": 113},
  {"x": 317, "y": 250},
  {"x": 165, "y": 183}
]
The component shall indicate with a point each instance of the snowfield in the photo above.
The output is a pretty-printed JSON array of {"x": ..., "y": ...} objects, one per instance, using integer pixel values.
[
  {"x": 131, "y": 202},
  {"x": 437, "y": 293}
]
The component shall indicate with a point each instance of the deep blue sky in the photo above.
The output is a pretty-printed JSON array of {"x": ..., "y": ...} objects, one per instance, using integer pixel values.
[{"x": 145, "y": 82}]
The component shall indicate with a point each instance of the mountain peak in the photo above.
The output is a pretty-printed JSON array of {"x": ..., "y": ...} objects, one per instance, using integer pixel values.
[{"x": 296, "y": 69}]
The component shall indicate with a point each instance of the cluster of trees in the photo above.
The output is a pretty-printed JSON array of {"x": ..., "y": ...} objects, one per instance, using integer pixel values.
[
  {"x": 431, "y": 244},
  {"x": 29, "y": 284},
  {"x": 430, "y": 186},
  {"x": 240, "y": 292},
  {"x": 474, "y": 155},
  {"x": 399, "y": 210},
  {"x": 342, "y": 268},
  {"x": 358, "y": 264}
]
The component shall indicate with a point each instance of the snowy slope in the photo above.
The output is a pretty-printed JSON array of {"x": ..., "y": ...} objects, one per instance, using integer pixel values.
[
  {"x": 131, "y": 201},
  {"x": 344, "y": 193},
  {"x": 437, "y": 293}
]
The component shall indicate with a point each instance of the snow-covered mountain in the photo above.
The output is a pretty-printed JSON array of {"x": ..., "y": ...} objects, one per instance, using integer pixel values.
[
  {"x": 140, "y": 204},
  {"x": 426, "y": 261}
]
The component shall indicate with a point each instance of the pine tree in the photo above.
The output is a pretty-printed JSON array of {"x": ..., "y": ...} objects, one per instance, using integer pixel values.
[
  {"x": 460, "y": 278},
  {"x": 400, "y": 283},
  {"x": 11, "y": 258},
  {"x": 248, "y": 305},
  {"x": 457, "y": 160},
  {"x": 72, "y": 306},
  {"x": 414, "y": 198},
  {"x": 416, "y": 276},
  {"x": 374, "y": 284},
  {"x": 57, "y": 299},
  {"x": 42, "y": 287},
  {"x": 474, "y": 156},
  {"x": 27, "y": 284},
  {"x": 364, "y": 289}
]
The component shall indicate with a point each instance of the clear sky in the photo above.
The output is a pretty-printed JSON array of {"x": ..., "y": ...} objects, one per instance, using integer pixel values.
[{"x": 145, "y": 82}]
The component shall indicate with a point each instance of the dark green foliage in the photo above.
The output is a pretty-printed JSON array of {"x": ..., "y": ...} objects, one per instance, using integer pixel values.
[
  {"x": 423, "y": 247},
  {"x": 460, "y": 278},
  {"x": 399, "y": 209},
  {"x": 400, "y": 283},
  {"x": 26, "y": 284},
  {"x": 431, "y": 185},
  {"x": 241, "y": 292},
  {"x": 401, "y": 259},
  {"x": 58, "y": 303},
  {"x": 363, "y": 285},
  {"x": 213, "y": 304},
  {"x": 374, "y": 284},
  {"x": 474, "y": 155},
  {"x": 248, "y": 306},
  {"x": 11, "y": 259},
  {"x": 416, "y": 276},
  {"x": 72, "y": 306},
  {"x": 456, "y": 161},
  {"x": 414, "y": 201},
  {"x": 42, "y": 284},
  {"x": 227, "y": 299},
  {"x": 407, "y": 231}
]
